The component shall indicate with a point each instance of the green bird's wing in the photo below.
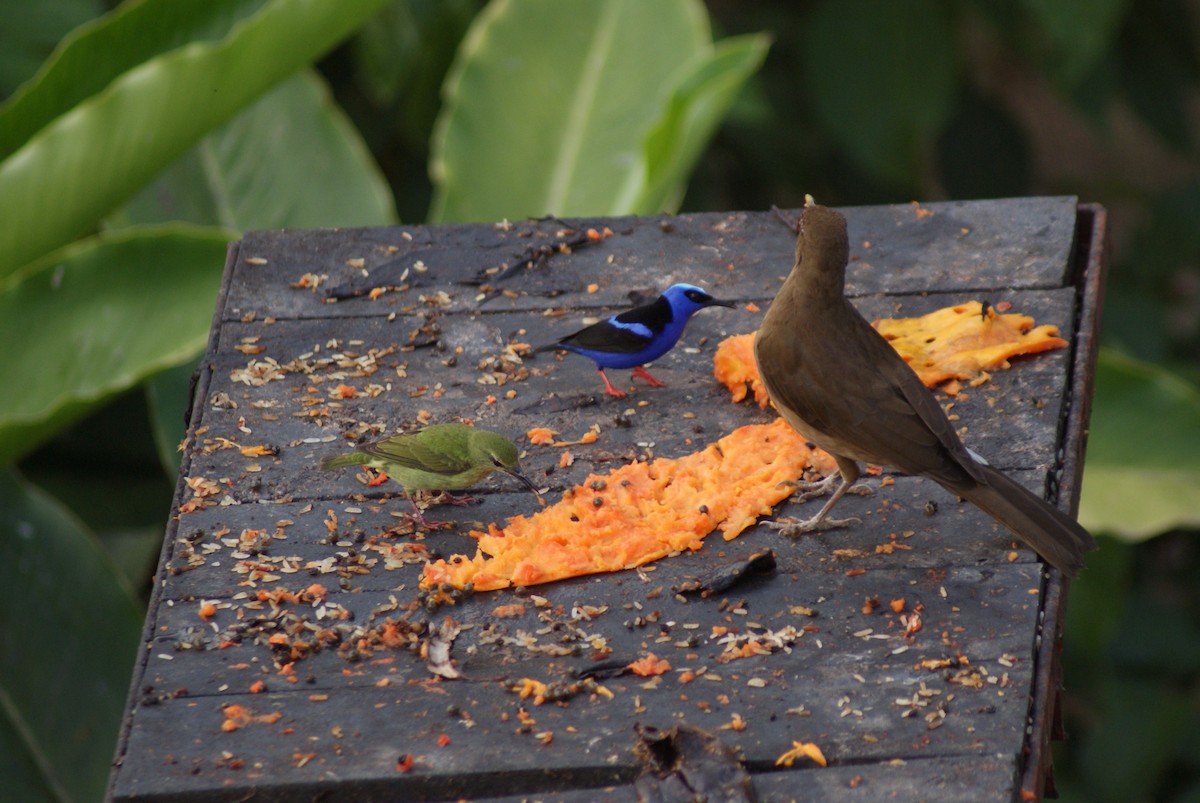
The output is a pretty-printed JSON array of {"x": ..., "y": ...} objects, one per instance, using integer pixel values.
[{"x": 413, "y": 452}]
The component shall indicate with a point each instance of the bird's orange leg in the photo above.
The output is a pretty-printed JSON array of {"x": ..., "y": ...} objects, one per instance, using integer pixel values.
[
  {"x": 642, "y": 373},
  {"x": 608, "y": 388}
]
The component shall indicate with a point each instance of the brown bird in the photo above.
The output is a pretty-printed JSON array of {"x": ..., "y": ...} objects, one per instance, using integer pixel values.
[{"x": 841, "y": 385}]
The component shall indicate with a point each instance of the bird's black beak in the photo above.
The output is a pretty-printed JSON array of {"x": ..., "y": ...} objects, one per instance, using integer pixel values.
[
  {"x": 526, "y": 482},
  {"x": 716, "y": 302}
]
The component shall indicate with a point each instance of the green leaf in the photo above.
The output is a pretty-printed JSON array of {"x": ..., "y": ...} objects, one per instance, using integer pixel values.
[
  {"x": 692, "y": 115},
  {"x": 1143, "y": 291},
  {"x": 24, "y": 47},
  {"x": 1134, "y": 740},
  {"x": 169, "y": 395},
  {"x": 291, "y": 160},
  {"x": 97, "y": 318},
  {"x": 69, "y": 630},
  {"x": 18, "y": 762},
  {"x": 883, "y": 78},
  {"x": 92, "y": 56},
  {"x": 405, "y": 52},
  {"x": 1156, "y": 66},
  {"x": 983, "y": 152},
  {"x": 87, "y": 161},
  {"x": 540, "y": 117},
  {"x": 1143, "y": 460},
  {"x": 1099, "y": 600},
  {"x": 1078, "y": 33}
]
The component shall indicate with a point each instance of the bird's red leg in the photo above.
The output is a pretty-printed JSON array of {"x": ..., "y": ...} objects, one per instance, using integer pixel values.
[
  {"x": 641, "y": 372},
  {"x": 608, "y": 388}
]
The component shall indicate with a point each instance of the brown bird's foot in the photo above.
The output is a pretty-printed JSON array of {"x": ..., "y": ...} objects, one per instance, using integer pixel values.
[
  {"x": 811, "y": 490},
  {"x": 792, "y": 528},
  {"x": 642, "y": 373},
  {"x": 806, "y": 490},
  {"x": 821, "y": 521}
]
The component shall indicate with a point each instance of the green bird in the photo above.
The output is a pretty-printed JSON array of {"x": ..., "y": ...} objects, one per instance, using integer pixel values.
[{"x": 441, "y": 457}]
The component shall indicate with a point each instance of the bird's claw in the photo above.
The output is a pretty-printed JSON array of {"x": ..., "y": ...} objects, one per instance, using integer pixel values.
[
  {"x": 790, "y": 528},
  {"x": 806, "y": 490},
  {"x": 428, "y": 524},
  {"x": 642, "y": 373},
  {"x": 448, "y": 498}
]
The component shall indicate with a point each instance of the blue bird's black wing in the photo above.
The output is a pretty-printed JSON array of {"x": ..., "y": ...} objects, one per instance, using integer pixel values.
[{"x": 626, "y": 333}]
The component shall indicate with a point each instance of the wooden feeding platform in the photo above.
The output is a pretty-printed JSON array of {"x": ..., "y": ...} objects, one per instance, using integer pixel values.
[{"x": 289, "y": 654}]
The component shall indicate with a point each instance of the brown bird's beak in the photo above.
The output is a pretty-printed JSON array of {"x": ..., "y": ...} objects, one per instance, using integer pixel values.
[{"x": 526, "y": 482}]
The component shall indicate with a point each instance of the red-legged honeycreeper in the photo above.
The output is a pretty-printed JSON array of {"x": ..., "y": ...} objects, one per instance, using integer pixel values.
[
  {"x": 635, "y": 337},
  {"x": 440, "y": 457},
  {"x": 841, "y": 385}
]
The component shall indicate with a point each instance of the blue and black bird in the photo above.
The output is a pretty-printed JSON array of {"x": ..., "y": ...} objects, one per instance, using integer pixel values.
[{"x": 635, "y": 337}]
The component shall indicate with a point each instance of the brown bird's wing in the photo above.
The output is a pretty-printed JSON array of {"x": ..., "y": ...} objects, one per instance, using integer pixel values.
[
  {"x": 886, "y": 417},
  {"x": 1051, "y": 533},
  {"x": 953, "y": 457},
  {"x": 409, "y": 451}
]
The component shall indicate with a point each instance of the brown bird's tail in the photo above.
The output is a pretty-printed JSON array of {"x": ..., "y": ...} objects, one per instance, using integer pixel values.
[{"x": 1054, "y": 535}]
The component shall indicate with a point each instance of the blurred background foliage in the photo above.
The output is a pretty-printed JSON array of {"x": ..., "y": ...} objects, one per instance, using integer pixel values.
[{"x": 248, "y": 114}]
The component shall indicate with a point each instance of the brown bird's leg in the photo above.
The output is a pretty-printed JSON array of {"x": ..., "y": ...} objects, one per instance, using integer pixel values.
[
  {"x": 642, "y": 373},
  {"x": 848, "y": 472}
]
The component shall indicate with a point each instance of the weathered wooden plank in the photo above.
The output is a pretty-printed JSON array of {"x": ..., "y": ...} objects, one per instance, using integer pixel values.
[
  {"x": 965, "y": 246},
  {"x": 845, "y": 688}
]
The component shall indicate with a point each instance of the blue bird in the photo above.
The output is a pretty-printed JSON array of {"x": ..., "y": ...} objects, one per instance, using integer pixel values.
[{"x": 635, "y": 337}]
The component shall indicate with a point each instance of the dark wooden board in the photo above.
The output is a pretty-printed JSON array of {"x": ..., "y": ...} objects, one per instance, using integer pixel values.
[
  {"x": 966, "y": 246},
  {"x": 893, "y": 718}
]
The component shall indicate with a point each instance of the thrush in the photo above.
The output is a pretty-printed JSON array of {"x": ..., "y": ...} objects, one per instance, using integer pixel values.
[
  {"x": 841, "y": 385},
  {"x": 635, "y": 337}
]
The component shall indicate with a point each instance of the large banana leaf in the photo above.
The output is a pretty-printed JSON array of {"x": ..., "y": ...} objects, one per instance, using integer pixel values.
[
  {"x": 291, "y": 160},
  {"x": 99, "y": 317},
  {"x": 1142, "y": 475},
  {"x": 567, "y": 107},
  {"x": 95, "y": 153},
  {"x": 68, "y": 634},
  {"x": 883, "y": 78}
]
